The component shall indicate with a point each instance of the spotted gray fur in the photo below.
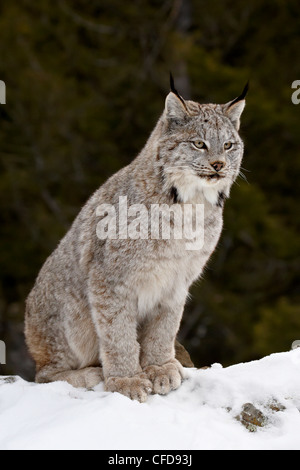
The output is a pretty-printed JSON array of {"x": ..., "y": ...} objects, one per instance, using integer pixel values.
[{"x": 111, "y": 309}]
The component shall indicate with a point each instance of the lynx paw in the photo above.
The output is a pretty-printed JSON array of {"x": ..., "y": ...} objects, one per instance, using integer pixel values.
[
  {"x": 137, "y": 387},
  {"x": 92, "y": 376},
  {"x": 166, "y": 377}
]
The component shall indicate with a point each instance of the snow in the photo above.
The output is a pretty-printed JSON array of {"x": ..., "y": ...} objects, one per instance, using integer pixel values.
[{"x": 201, "y": 414}]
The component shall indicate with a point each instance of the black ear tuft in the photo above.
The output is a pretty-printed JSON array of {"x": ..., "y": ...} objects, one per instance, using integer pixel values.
[
  {"x": 173, "y": 89},
  {"x": 242, "y": 95},
  {"x": 172, "y": 85}
]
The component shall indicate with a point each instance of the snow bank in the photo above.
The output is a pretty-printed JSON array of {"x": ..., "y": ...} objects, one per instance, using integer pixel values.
[{"x": 200, "y": 415}]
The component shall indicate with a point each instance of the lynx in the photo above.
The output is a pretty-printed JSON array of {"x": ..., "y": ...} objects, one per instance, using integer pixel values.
[{"x": 110, "y": 309}]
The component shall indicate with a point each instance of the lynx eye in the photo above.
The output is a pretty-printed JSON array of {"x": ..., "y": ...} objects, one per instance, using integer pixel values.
[
  {"x": 199, "y": 144},
  {"x": 227, "y": 145}
]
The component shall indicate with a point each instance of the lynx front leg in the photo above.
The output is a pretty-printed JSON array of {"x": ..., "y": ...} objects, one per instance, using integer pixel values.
[
  {"x": 158, "y": 349},
  {"x": 115, "y": 320}
]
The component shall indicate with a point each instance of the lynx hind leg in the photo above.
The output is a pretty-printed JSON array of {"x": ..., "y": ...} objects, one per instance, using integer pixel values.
[
  {"x": 85, "y": 378},
  {"x": 182, "y": 355}
]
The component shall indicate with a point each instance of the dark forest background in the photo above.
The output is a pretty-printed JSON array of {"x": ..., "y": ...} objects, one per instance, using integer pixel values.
[{"x": 86, "y": 82}]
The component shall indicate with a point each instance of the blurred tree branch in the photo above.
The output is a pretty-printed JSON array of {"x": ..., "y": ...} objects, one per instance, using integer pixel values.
[{"x": 79, "y": 20}]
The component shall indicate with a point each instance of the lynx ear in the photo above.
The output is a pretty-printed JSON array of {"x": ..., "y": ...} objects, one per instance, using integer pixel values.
[
  {"x": 234, "y": 108},
  {"x": 175, "y": 105}
]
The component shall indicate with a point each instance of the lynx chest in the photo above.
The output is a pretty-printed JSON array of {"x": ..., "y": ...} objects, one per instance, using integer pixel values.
[{"x": 171, "y": 268}]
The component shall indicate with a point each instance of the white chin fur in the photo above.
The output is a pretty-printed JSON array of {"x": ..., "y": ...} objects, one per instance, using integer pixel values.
[
  {"x": 192, "y": 189},
  {"x": 211, "y": 194}
]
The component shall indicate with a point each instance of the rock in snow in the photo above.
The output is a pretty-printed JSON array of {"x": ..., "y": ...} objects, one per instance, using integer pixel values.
[{"x": 216, "y": 408}]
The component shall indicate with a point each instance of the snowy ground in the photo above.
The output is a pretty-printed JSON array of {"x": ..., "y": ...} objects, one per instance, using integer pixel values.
[{"x": 200, "y": 415}]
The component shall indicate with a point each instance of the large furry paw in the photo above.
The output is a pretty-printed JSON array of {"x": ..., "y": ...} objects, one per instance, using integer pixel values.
[
  {"x": 92, "y": 376},
  {"x": 166, "y": 377},
  {"x": 137, "y": 387}
]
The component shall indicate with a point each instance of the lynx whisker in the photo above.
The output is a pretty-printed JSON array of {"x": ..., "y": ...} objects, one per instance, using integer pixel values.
[
  {"x": 245, "y": 169},
  {"x": 181, "y": 167},
  {"x": 243, "y": 177}
]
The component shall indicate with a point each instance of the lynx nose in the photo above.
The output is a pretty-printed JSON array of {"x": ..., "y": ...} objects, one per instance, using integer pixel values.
[{"x": 218, "y": 165}]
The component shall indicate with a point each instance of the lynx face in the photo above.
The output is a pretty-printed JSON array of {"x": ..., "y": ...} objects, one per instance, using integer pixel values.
[{"x": 202, "y": 147}]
